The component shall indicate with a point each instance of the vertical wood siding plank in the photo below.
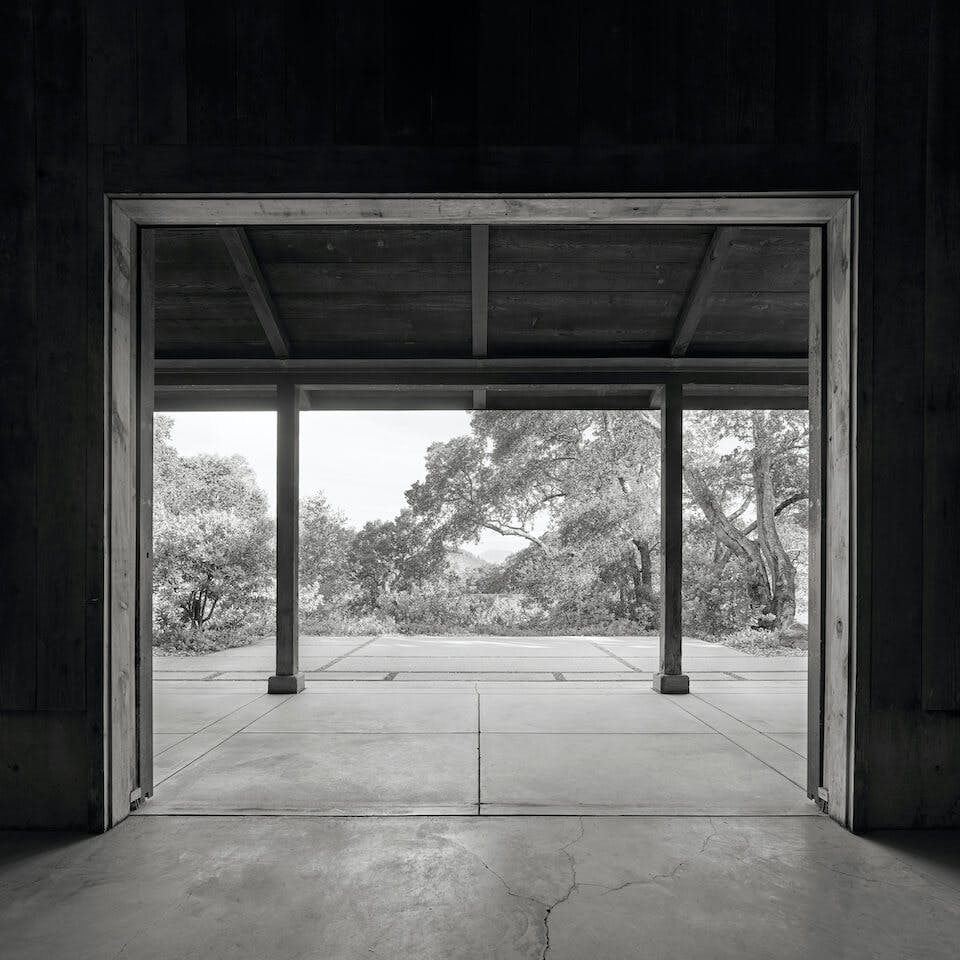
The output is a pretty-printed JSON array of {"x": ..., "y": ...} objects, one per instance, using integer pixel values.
[
  {"x": 111, "y": 71},
  {"x": 408, "y": 44},
  {"x": 941, "y": 377},
  {"x": 61, "y": 374},
  {"x": 605, "y": 72},
  {"x": 359, "y": 72},
  {"x": 453, "y": 89},
  {"x": 162, "y": 72},
  {"x": 309, "y": 96},
  {"x": 655, "y": 57},
  {"x": 800, "y": 71},
  {"x": 898, "y": 357},
  {"x": 18, "y": 366},
  {"x": 749, "y": 72},
  {"x": 211, "y": 45},
  {"x": 702, "y": 55},
  {"x": 555, "y": 71},
  {"x": 503, "y": 87},
  {"x": 260, "y": 72}
]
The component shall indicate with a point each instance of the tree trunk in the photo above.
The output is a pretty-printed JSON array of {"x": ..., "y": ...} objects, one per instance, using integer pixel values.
[
  {"x": 641, "y": 572},
  {"x": 780, "y": 572}
]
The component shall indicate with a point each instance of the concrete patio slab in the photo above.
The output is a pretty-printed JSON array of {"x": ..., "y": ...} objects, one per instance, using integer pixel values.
[
  {"x": 324, "y": 774},
  {"x": 609, "y": 712},
  {"x": 326, "y": 676},
  {"x": 633, "y": 675},
  {"x": 161, "y": 741},
  {"x": 764, "y": 711},
  {"x": 467, "y": 676},
  {"x": 196, "y": 745},
  {"x": 797, "y": 742},
  {"x": 701, "y": 774},
  {"x": 372, "y": 712},
  {"x": 500, "y": 664},
  {"x": 178, "y": 711},
  {"x": 758, "y": 745}
]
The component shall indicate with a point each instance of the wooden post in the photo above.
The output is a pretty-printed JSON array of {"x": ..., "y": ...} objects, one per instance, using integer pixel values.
[
  {"x": 671, "y": 678},
  {"x": 288, "y": 678}
]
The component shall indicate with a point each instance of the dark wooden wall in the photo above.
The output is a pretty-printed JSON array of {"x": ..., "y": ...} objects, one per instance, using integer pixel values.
[{"x": 366, "y": 95}]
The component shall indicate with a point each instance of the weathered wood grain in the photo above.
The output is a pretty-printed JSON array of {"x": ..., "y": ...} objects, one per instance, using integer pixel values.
[
  {"x": 18, "y": 368},
  {"x": 671, "y": 532},
  {"x": 817, "y": 532},
  {"x": 211, "y": 72},
  {"x": 838, "y": 647},
  {"x": 123, "y": 516},
  {"x": 145, "y": 406},
  {"x": 161, "y": 72},
  {"x": 61, "y": 394},
  {"x": 695, "y": 302},
  {"x": 257, "y": 289},
  {"x": 479, "y": 288},
  {"x": 288, "y": 529},
  {"x": 359, "y": 76},
  {"x": 897, "y": 483},
  {"x": 941, "y": 370}
]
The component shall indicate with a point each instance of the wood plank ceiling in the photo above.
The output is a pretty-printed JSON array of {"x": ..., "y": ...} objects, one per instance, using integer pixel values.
[{"x": 398, "y": 292}]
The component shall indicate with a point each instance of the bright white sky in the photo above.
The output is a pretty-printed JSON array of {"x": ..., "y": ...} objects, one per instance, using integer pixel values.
[{"x": 362, "y": 461}]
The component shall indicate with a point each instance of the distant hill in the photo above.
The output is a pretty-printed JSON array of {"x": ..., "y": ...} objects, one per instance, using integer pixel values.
[
  {"x": 466, "y": 564},
  {"x": 495, "y": 557}
]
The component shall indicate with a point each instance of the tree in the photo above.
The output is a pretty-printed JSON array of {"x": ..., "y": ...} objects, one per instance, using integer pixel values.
[
  {"x": 578, "y": 485},
  {"x": 325, "y": 541},
  {"x": 742, "y": 489},
  {"x": 392, "y": 555},
  {"x": 212, "y": 545}
]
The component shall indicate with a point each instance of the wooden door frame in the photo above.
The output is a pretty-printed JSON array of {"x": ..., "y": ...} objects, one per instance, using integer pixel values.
[{"x": 123, "y": 747}]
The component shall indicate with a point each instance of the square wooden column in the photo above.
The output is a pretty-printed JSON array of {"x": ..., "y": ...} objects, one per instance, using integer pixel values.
[
  {"x": 288, "y": 678},
  {"x": 671, "y": 678}
]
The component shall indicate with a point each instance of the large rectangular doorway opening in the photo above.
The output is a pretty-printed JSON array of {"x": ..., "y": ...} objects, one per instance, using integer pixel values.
[
  {"x": 479, "y": 616},
  {"x": 639, "y": 415}
]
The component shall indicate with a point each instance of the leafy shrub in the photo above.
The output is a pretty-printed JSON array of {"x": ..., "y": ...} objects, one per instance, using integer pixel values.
[
  {"x": 767, "y": 643},
  {"x": 715, "y": 596},
  {"x": 212, "y": 550}
]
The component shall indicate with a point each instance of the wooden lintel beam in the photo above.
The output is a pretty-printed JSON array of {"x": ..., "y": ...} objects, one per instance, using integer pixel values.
[
  {"x": 469, "y": 379},
  {"x": 479, "y": 285},
  {"x": 693, "y": 307},
  {"x": 237, "y": 242},
  {"x": 480, "y": 369}
]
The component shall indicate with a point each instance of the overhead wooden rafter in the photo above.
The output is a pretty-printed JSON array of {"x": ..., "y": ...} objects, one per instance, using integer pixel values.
[
  {"x": 692, "y": 312},
  {"x": 248, "y": 269}
]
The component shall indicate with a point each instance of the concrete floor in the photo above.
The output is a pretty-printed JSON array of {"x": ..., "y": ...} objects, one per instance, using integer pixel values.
[
  {"x": 452, "y": 888},
  {"x": 466, "y": 725},
  {"x": 393, "y": 732}
]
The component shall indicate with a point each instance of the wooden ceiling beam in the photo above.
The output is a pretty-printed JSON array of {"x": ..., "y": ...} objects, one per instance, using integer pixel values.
[
  {"x": 693, "y": 308},
  {"x": 237, "y": 242},
  {"x": 481, "y": 374},
  {"x": 441, "y": 366}
]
